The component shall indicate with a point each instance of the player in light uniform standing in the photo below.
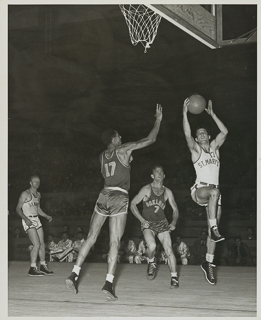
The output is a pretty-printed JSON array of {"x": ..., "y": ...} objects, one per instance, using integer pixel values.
[
  {"x": 28, "y": 208},
  {"x": 205, "y": 192},
  {"x": 112, "y": 202},
  {"x": 154, "y": 223}
]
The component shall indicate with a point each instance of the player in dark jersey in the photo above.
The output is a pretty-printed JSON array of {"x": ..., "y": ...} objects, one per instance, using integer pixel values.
[
  {"x": 205, "y": 192},
  {"x": 154, "y": 223},
  {"x": 112, "y": 202},
  {"x": 28, "y": 208}
]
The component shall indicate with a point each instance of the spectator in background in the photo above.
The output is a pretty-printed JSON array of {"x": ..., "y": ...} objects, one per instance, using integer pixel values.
[
  {"x": 78, "y": 244},
  {"x": 50, "y": 245},
  {"x": 181, "y": 251},
  {"x": 130, "y": 250},
  {"x": 199, "y": 249},
  {"x": 18, "y": 233},
  {"x": 240, "y": 253},
  {"x": 250, "y": 234},
  {"x": 141, "y": 252},
  {"x": 222, "y": 254},
  {"x": 64, "y": 250},
  {"x": 66, "y": 229}
]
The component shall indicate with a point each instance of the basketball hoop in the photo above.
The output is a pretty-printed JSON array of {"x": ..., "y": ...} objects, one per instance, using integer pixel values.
[{"x": 142, "y": 23}]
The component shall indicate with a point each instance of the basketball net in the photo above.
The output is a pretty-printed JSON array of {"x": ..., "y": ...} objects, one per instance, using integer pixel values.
[{"x": 142, "y": 23}]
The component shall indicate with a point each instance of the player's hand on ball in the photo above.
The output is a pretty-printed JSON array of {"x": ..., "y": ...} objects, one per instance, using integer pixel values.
[{"x": 209, "y": 109}]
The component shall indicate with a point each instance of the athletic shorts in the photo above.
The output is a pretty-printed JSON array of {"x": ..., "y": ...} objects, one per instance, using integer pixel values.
[
  {"x": 194, "y": 197},
  {"x": 36, "y": 223},
  {"x": 112, "y": 202},
  {"x": 157, "y": 226}
]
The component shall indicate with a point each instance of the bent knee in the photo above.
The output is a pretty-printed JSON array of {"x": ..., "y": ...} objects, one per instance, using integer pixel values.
[{"x": 214, "y": 193}]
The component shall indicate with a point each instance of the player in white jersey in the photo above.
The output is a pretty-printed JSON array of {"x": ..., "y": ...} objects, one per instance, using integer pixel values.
[
  {"x": 205, "y": 192},
  {"x": 28, "y": 208}
]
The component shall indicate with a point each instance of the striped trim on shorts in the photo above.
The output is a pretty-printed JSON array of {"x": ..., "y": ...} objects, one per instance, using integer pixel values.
[
  {"x": 157, "y": 226},
  {"x": 198, "y": 185}
]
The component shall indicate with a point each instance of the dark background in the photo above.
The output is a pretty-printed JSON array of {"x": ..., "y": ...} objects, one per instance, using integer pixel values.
[{"x": 73, "y": 73}]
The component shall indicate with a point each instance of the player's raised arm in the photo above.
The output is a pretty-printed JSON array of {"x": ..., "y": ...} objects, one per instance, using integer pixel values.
[
  {"x": 221, "y": 137},
  {"x": 151, "y": 138},
  {"x": 186, "y": 127}
]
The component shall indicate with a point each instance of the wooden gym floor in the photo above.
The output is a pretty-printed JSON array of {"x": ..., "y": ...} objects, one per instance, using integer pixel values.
[{"x": 234, "y": 295}]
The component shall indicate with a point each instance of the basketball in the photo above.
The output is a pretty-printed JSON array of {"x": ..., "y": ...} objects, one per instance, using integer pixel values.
[{"x": 197, "y": 104}]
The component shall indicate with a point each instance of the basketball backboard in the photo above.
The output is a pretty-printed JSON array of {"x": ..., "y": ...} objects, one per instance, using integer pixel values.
[{"x": 206, "y": 22}]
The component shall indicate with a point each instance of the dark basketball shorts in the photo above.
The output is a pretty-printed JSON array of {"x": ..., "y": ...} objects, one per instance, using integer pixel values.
[
  {"x": 112, "y": 202},
  {"x": 157, "y": 226},
  {"x": 194, "y": 196},
  {"x": 36, "y": 223}
]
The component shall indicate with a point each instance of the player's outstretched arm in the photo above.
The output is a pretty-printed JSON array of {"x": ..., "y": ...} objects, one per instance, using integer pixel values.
[
  {"x": 151, "y": 138},
  {"x": 186, "y": 126},
  {"x": 221, "y": 137}
]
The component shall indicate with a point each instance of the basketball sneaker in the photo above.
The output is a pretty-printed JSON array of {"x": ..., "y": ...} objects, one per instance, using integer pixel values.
[
  {"x": 215, "y": 235},
  {"x": 207, "y": 268},
  {"x": 174, "y": 282},
  {"x": 34, "y": 272},
  {"x": 151, "y": 271},
  {"x": 45, "y": 270},
  {"x": 109, "y": 292},
  {"x": 72, "y": 282}
]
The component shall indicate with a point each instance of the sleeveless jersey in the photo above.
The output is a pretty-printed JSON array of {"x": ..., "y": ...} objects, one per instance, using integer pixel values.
[
  {"x": 115, "y": 173},
  {"x": 153, "y": 208},
  {"x": 30, "y": 208},
  {"x": 207, "y": 167}
]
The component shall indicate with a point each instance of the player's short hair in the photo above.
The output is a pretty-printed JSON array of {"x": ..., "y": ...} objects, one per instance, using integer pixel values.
[
  {"x": 108, "y": 135},
  {"x": 157, "y": 166},
  {"x": 33, "y": 176},
  {"x": 201, "y": 128}
]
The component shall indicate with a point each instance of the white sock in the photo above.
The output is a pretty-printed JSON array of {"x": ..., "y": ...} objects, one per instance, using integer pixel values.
[
  {"x": 109, "y": 278},
  {"x": 173, "y": 274},
  {"x": 33, "y": 265},
  {"x": 212, "y": 222},
  {"x": 76, "y": 269},
  {"x": 43, "y": 262},
  {"x": 151, "y": 260},
  {"x": 209, "y": 257}
]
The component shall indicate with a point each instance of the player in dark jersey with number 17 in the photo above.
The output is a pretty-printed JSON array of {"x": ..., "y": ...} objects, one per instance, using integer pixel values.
[{"x": 112, "y": 202}]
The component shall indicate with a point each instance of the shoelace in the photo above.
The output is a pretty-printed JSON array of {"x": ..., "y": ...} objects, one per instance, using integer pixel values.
[
  {"x": 152, "y": 266},
  {"x": 210, "y": 266}
]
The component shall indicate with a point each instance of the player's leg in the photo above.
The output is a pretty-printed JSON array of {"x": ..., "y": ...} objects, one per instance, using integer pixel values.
[
  {"x": 116, "y": 228},
  {"x": 211, "y": 197},
  {"x": 208, "y": 266},
  {"x": 165, "y": 239},
  {"x": 96, "y": 223},
  {"x": 149, "y": 237},
  {"x": 43, "y": 265},
  {"x": 34, "y": 238}
]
